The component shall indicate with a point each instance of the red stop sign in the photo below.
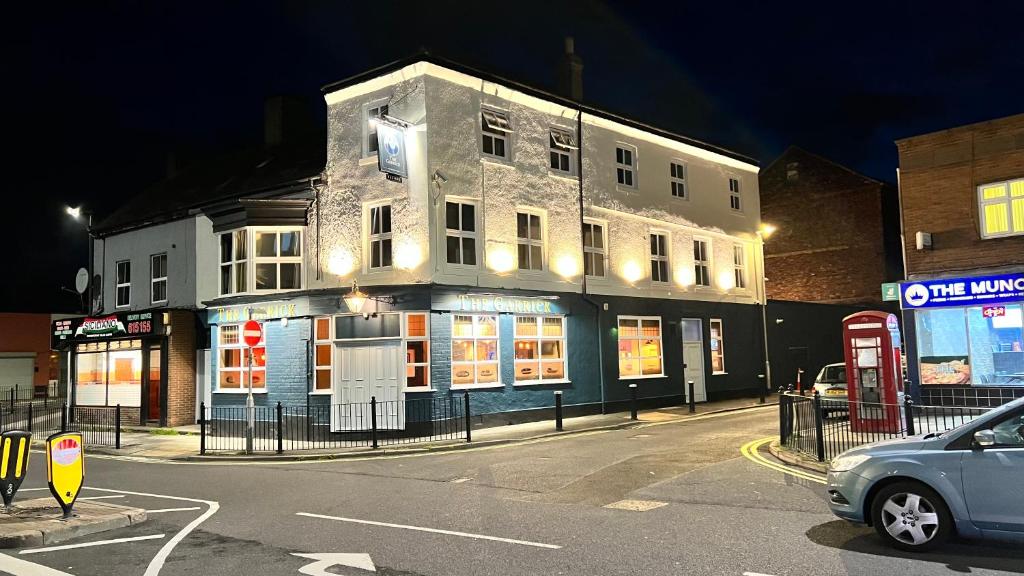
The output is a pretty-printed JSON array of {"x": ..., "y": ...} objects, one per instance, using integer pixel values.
[{"x": 252, "y": 333}]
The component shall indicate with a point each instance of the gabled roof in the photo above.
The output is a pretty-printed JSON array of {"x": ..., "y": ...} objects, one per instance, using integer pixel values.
[
  {"x": 796, "y": 150},
  {"x": 532, "y": 91}
]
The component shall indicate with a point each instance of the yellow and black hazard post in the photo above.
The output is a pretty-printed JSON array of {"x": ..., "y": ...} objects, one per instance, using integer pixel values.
[
  {"x": 14, "y": 451},
  {"x": 65, "y": 468}
]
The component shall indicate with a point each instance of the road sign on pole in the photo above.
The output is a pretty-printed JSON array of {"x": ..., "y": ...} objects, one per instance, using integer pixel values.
[
  {"x": 252, "y": 334},
  {"x": 65, "y": 468},
  {"x": 14, "y": 451}
]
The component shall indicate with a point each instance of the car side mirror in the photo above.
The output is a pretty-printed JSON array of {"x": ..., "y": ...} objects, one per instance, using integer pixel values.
[{"x": 984, "y": 438}]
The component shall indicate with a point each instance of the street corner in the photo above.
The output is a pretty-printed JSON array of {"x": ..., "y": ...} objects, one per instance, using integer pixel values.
[
  {"x": 780, "y": 452},
  {"x": 40, "y": 521}
]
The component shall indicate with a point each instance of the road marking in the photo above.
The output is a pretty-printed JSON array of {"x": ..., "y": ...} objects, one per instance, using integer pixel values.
[
  {"x": 159, "y": 510},
  {"x": 460, "y": 480},
  {"x": 90, "y": 544},
  {"x": 19, "y": 567},
  {"x": 102, "y": 497},
  {"x": 161, "y": 557},
  {"x": 325, "y": 561},
  {"x": 756, "y": 574},
  {"x": 433, "y": 530},
  {"x": 750, "y": 452},
  {"x": 636, "y": 505}
]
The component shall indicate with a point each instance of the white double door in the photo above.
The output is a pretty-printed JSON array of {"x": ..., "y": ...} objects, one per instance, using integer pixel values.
[{"x": 365, "y": 370}]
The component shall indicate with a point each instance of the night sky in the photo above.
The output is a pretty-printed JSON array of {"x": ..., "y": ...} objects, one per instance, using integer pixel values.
[{"x": 98, "y": 93}]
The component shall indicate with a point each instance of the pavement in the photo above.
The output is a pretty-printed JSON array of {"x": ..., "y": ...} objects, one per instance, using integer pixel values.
[
  {"x": 40, "y": 521},
  {"x": 673, "y": 497}
]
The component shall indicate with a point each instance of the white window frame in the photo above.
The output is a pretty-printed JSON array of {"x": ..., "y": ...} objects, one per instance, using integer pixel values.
[
  {"x": 275, "y": 260},
  {"x": 592, "y": 253},
  {"x": 562, "y": 143},
  {"x": 655, "y": 258},
  {"x": 462, "y": 234},
  {"x": 623, "y": 167},
  {"x": 705, "y": 262},
  {"x": 243, "y": 369},
  {"x": 406, "y": 338},
  {"x": 118, "y": 284},
  {"x": 369, "y": 127},
  {"x": 735, "y": 199},
  {"x": 379, "y": 238},
  {"x": 661, "y": 345},
  {"x": 1013, "y": 228},
  {"x": 317, "y": 367},
  {"x": 739, "y": 263},
  {"x": 496, "y": 125},
  {"x": 532, "y": 242},
  {"x": 720, "y": 352},
  {"x": 154, "y": 280},
  {"x": 472, "y": 364},
  {"x": 677, "y": 179},
  {"x": 235, "y": 262},
  {"x": 540, "y": 338}
]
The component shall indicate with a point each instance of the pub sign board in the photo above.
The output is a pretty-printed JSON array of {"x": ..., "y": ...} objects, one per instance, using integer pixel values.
[{"x": 119, "y": 325}]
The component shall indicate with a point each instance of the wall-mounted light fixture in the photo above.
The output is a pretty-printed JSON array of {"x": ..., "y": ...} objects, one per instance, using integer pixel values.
[{"x": 355, "y": 299}]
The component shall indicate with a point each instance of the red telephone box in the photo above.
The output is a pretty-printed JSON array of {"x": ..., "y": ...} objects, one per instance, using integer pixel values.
[{"x": 874, "y": 378}]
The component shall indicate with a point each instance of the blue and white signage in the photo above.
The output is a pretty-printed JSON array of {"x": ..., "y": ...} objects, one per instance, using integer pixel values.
[
  {"x": 391, "y": 150},
  {"x": 979, "y": 290}
]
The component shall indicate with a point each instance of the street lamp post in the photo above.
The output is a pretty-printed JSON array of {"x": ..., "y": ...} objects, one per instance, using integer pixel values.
[
  {"x": 76, "y": 213},
  {"x": 765, "y": 231}
]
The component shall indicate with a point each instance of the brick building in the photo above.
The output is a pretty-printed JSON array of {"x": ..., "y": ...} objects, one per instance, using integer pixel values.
[
  {"x": 962, "y": 200},
  {"x": 26, "y": 363},
  {"x": 837, "y": 235}
]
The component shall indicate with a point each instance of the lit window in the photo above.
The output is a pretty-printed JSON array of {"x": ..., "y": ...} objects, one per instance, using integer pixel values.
[
  {"x": 563, "y": 144},
  {"x": 717, "y": 347},
  {"x": 417, "y": 350},
  {"x": 278, "y": 259},
  {"x": 233, "y": 370},
  {"x": 659, "y": 258},
  {"x": 677, "y": 179},
  {"x": 625, "y": 165},
  {"x": 474, "y": 350},
  {"x": 530, "y": 241},
  {"x": 323, "y": 351},
  {"x": 123, "y": 288},
  {"x": 739, "y": 262},
  {"x": 380, "y": 236},
  {"x": 540, "y": 348},
  {"x": 594, "y": 253},
  {"x": 373, "y": 112},
  {"x": 640, "y": 346},
  {"x": 495, "y": 129},
  {"x": 1001, "y": 208},
  {"x": 234, "y": 272},
  {"x": 460, "y": 232},
  {"x": 701, "y": 263},
  {"x": 734, "y": 195},
  {"x": 158, "y": 278}
]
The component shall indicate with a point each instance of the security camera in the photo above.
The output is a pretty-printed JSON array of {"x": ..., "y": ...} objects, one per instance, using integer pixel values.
[
  {"x": 779, "y": 320},
  {"x": 440, "y": 177}
]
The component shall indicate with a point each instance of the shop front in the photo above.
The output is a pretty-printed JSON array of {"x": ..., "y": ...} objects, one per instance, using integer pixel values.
[{"x": 966, "y": 338}]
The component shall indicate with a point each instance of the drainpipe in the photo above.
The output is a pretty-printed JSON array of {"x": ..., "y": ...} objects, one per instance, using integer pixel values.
[{"x": 586, "y": 298}]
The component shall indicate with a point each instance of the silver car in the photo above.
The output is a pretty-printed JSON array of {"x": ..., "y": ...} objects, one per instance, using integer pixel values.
[{"x": 919, "y": 491}]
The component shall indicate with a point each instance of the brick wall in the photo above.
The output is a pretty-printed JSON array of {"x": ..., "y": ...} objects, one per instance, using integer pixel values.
[
  {"x": 830, "y": 244},
  {"x": 939, "y": 176},
  {"x": 181, "y": 369},
  {"x": 28, "y": 333}
]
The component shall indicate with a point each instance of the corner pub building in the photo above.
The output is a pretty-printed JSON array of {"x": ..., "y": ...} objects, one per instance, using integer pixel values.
[{"x": 475, "y": 234}]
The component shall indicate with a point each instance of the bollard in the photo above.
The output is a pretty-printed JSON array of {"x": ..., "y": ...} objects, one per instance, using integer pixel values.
[
  {"x": 558, "y": 410},
  {"x": 632, "y": 402},
  {"x": 202, "y": 428},
  {"x": 280, "y": 429},
  {"x": 908, "y": 414},
  {"x": 689, "y": 396},
  {"x": 117, "y": 427},
  {"x": 760, "y": 398},
  {"x": 64, "y": 417},
  {"x": 30, "y": 416},
  {"x": 373, "y": 420},
  {"x": 469, "y": 423},
  {"x": 819, "y": 428}
]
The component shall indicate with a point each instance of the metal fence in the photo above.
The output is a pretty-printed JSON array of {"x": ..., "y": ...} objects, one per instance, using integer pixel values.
[
  {"x": 100, "y": 425},
  {"x": 19, "y": 394},
  {"x": 823, "y": 427},
  {"x": 370, "y": 424}
]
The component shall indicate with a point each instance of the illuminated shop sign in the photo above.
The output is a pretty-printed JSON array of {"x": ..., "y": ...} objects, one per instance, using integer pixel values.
[
  {"x": 262, "y": 311},
  {"x": 391, "y": 150},
  {"x": 980, "y": 290},
  {"x": 499, "y": 303},
  {"x": 111, "y": 326}
]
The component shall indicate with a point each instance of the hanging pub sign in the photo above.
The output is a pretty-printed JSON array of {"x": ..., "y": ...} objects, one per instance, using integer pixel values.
[
  {"x": 975, "y": 291},
  {"x": 14, "y": 451},
  {"x": 65, "y": 468},
  {"x": 391, "y": 150},
  {"x": 121, "y": 325}
]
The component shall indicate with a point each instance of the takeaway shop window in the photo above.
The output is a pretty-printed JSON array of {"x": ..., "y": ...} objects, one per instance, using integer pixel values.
[
  {"x": 474, "y": 351},
  {"x": 640, "y": 346},
  {"x": 417, "y": 350},
  {"x": 233, "y": 364},
  {"x": 108, "y": 374},
  {"x": 540, "y": 348},
  {"x": 979, "y": 345},
  {"x": 322, "y": 351}
]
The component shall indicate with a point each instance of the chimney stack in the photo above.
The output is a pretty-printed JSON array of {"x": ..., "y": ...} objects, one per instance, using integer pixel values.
[
  {"x": 285, "y": 121},
  {"x": 570, "y": 76}
]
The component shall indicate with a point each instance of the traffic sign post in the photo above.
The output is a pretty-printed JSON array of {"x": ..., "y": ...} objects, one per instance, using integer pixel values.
[{"x": 252, "y": 334}]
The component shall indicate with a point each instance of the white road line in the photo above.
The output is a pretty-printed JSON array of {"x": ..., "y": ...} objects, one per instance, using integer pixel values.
[
  {"x": 432, "y": 530},
  {"x": 90, "y": 544},
  {"x": 19, "y": 567},
  {"x": 102, "y": 497},
  {"x": 756, "y": 574},
  {"x": 159, "y": 510},
  {"x": 161, "y": 557},
  {"x": 31, "y": 489}
]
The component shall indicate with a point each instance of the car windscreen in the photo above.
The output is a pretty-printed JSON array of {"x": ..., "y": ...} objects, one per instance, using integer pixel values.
[{"x": 836, "y": 374}]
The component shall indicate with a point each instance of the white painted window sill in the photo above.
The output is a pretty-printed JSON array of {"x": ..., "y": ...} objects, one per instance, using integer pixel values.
[
  {"x": 626, "y": 189},
  {"x": 478, "y": 386},
  {"x": 496, "y": 160},
  {"x": 528, "y": 383},
  {"x": 255, "y": 391},
  {"x": 563, "y": 175},
  {"x": 648, "y": 377},
  {"x": 321, "y": 393},
  {"x": 405, "y": 390},
  {"x": 368, "y": 161},
  {"x": 719, "y": 373}
]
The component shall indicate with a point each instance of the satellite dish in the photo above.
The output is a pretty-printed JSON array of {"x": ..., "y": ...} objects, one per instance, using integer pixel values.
[{"x": 82, "y": 280}]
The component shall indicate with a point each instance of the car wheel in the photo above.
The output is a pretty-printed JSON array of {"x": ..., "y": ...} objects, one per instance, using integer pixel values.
[{"x": 911, "y": 516}]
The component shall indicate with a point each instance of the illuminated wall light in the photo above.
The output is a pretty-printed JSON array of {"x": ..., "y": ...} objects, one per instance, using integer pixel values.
[
  {"x": 408, "y": 256},
  {"x": 726, "y": 280},
  {"x": 685, "y": 276},
  {"x": 341, "y": 262},
  {"x": 500, "y": 259},
  {"x": 632, "y": 271},
  {"x": 567, "y": 266}
]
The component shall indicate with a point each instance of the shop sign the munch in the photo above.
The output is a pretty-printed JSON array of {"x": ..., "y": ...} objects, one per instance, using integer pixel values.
[{"x": 979, "y": 290}]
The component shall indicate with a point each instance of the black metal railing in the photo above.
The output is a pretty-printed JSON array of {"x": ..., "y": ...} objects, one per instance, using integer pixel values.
[
  {"x": 15, "y": 395},
  {"x": 823, "y": 428},
  {"x": 371, "y": 424},
  {"x": 100, "y": 425}
]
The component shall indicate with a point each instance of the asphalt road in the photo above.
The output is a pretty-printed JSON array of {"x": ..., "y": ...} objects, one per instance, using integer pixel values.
[{"x": 528, "y": 509}]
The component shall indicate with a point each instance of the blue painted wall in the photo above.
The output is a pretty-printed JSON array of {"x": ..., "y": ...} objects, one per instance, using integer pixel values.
[{"x": 286, "y": 365}]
